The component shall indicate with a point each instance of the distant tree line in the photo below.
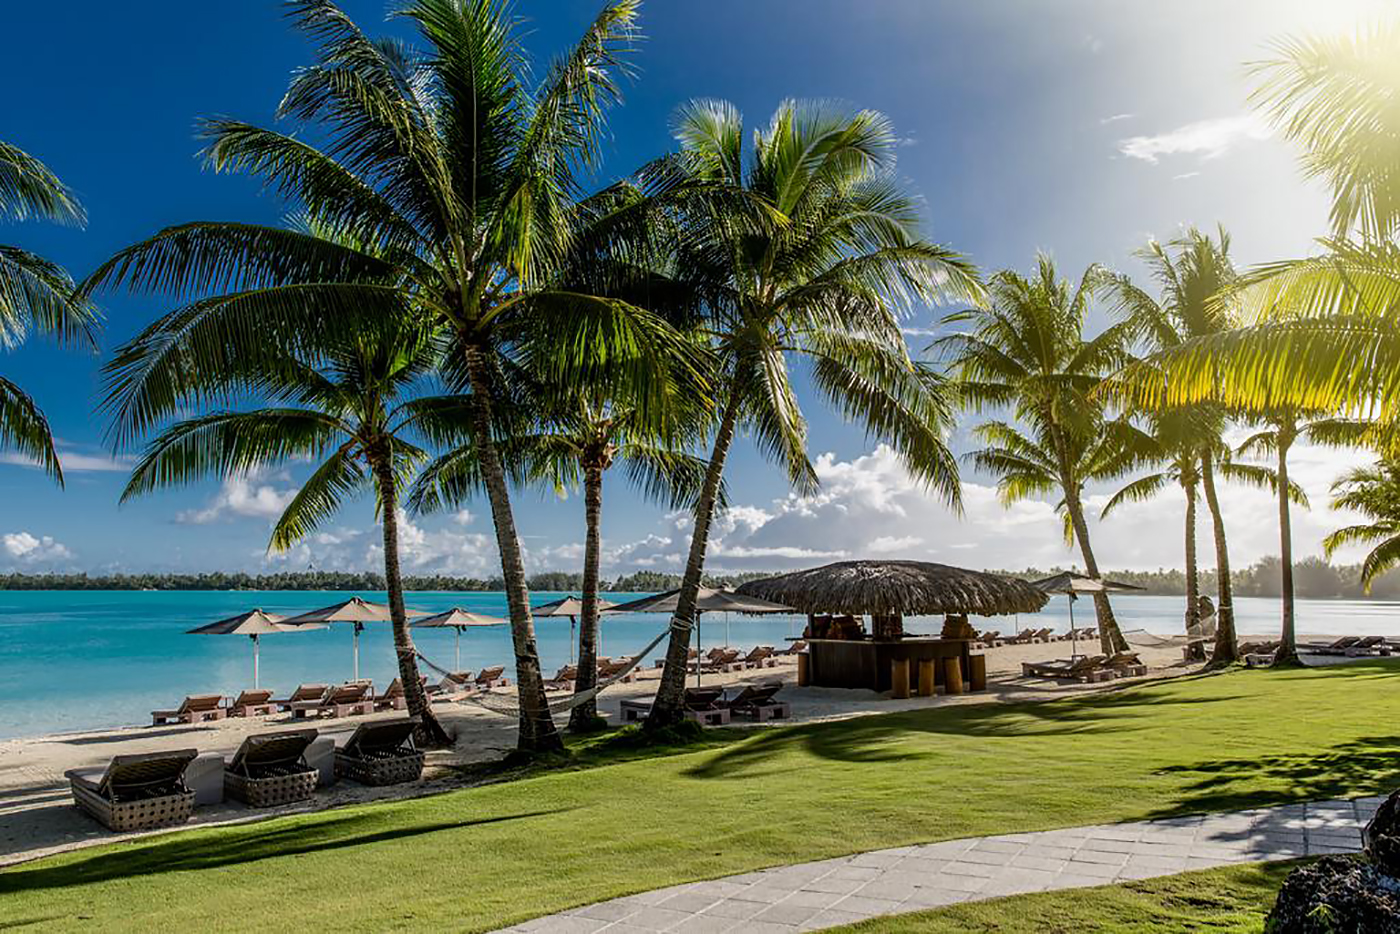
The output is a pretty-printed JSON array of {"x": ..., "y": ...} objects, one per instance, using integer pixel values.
[{"x": 1313, "y": 578}]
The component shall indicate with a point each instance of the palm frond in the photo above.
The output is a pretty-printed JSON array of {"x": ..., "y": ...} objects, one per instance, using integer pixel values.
[
  {"x": 28, "y": 189},
  {"x": 24, "y": 429}
]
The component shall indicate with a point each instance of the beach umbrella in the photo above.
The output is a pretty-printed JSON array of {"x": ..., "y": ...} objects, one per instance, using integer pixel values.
[
  {"x": 252, "y": 624},
  {"x": 569, "y": 606},
  {"x": 458, "y": 619},
  {"x": 356, "y": 611},
  {"x": 707, "y": 600},
  {"x": 1072, "y": 584}
]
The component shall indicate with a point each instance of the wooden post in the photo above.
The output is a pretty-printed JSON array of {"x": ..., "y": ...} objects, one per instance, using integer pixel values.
[
  {"x": 804, "y": 669},
  {"x": 952, "y": 675},
  {"x": 926, "y": 670},
  {"x": 899, "y": 678},
  {"x": 977, "y": 674}
]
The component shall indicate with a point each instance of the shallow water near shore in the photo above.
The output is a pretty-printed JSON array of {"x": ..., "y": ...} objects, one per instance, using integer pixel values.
[{"x": 73, "y": 660}]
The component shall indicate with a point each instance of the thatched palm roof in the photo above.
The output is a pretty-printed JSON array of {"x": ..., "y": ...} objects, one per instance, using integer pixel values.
[{"x": 906, "y": 588}]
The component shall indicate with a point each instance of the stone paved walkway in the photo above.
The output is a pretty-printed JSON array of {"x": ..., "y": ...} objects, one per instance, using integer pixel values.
[{"x": 810, "y": 896}]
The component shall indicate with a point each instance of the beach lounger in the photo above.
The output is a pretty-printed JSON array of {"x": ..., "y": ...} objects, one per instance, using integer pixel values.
[
  {"x": 1024, "y": 637},
  {"x": 271, "y": 769},
  {"x": 703, "y": 705},
  {"x": 757, "y": 703},
  {"x": 395, "y": 698},
  {"x": 455, "y": 682},
  {"x": 563, "y": 679},
  {"x": 1370, "y": 645},
  {"x": 611, "y": 669},
  {"x": 252, "y": 704},
  {"x": 350, "y": 699},
  {"x": 760, "y": 657},
  {"x": 796, "y": 647},
  {"x": 1338, "y": 647},
  {"x": 197, "y": 708},
  {"x": 303, "y": 693},
  {"x": 1126, "y": 664},
  {"x": 491, "y": 678},
  {"x": 726, "y": 660},
  {"x": 380, "y": 754},
  {"x": 690, "y": 657},
  {"x": 1084, "y": 670},
  {"x": 1044, "y": 635},
  {"x": 990, "y": 639},
  {"x": 136, "y": 792}
]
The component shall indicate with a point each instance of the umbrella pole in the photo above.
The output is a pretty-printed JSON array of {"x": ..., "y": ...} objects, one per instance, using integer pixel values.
[
  {"x": 357, "y": 650},
  {"x": 255, "y": 661},
  {"x": 698, "y": 646},
  {"x": 727, "y": 643},
  {"x": 1073, "y": 636},
  {"x": 458, "y": 630},
  {"x": 573, "y": 623}
]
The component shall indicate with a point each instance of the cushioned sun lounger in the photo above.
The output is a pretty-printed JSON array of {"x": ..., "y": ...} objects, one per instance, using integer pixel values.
[
  {"x": 1087, "y": 669},
  {"x": 380, "y": 754},
  {"x": 347, "y": 700},
  {"x": 703, "y": 705},
  {"x": 608, "y": 670},
  {"x": 1338, "y": 647},
  {"x": 455, "y": 682},
  {"x": 197, "y": 708},
  {"x": 1126, "y": 664},
  {"x": 756, "y": 702},
  {"x": 136, "y": 792},
  {"x": 394, "y": 698},
  {"x": 303, "y": 693},
  {"x": 252, "y": 704},
  {"x": 563, "y": 679},
  {"x": 271, "y": 769},
  {"x": 491, "y": 678},
  {"x": 760, "y": 657}
]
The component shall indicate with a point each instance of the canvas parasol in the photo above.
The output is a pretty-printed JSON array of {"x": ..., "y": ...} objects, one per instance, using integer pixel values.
[
  {"x": 1073, "y": 584},
  {"x": 569, "y": 606},
  {"x": 252, "y": 624},
  {"x": 355, "y": 610},
  {"x": 458, "y": 619},
  {"x": 707, "y": 600}
]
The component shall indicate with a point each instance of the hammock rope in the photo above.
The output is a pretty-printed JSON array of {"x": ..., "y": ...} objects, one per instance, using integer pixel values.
[{"x": 497, "y": 704}]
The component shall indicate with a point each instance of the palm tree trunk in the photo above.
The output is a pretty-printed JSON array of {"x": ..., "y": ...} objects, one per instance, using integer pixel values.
[
  {"x": 585, "y": 714},
  {"x": 668, "y": 707},
  {"x": 1288, "y": 649},
  {"x": 1110, "y": 636},
  {"x": 1193, "y": 581},
  {"x": 1226, "y": 650},
  {"x": 536, "y": 727},
  {"x": 429, "y": 732}
]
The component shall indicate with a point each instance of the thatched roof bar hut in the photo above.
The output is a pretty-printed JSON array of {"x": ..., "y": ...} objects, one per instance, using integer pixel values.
[{"x": 897, "y": 588}]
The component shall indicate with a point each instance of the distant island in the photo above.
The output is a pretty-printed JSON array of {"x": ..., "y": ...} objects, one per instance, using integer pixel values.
[{"x": 1314, "y": 578}]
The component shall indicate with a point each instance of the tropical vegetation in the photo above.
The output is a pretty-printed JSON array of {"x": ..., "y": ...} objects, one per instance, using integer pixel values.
[
  {"x": 36, "y": 296},
  {"x": 1374, "y": 492}
]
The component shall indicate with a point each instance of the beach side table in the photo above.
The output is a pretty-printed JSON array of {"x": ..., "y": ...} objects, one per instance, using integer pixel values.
[
  {"x": 320, "y": 755},
  {"x": 205, "y": 777}
]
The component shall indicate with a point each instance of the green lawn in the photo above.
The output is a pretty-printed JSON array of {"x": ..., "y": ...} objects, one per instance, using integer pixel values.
[
  {"x": 483, "y": 857},
  {"x": 1231, "y": 900}
]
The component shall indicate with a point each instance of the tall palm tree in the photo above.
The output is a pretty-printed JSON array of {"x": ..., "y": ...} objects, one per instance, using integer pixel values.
[
  {"x": 815, "y": 253},
  {"x": 1026, "y": 352},
  {"x": 577, "y": 447},
  {"x": 351, "y": 408},
  {"x": 453, "y": 173},
  {"x": 36, "y": 295},
  {"x": 1322, "y": 331},
  {"x": 1190, "y": 273},
  {"x": 1374, "y": 492}
]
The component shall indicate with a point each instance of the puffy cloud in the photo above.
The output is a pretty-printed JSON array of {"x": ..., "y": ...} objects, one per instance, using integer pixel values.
[
  {"x": 27, "y": 548},
  {"x": 73, "y": 461},
  {"x": 249, "y": 495},
  {"x": 1206, "y": 138}
]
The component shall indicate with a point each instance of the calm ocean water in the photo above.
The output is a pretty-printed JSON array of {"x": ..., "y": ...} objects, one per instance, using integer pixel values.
[{"x": 74, "y": 660}]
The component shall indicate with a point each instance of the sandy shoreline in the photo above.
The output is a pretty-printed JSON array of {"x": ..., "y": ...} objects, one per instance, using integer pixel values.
[{"x": 37, "y": 817}]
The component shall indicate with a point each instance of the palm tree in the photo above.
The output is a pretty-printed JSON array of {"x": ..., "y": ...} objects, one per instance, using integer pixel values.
[
  {"x": 351, "y": 408},
  {"x": 35, "y": 295},
  {"x": 453, "y": 174},
  {"x": 814, "y": 252},
  {"x": 1027, "y": 352},
  {"x": 572, "y": 448},
  {"x": 1190, "y": 272},
  {"x": 1374, "y": 492}
]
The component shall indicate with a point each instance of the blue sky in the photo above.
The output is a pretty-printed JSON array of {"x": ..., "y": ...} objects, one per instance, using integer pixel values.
[{"x": 1077, "y": 127}]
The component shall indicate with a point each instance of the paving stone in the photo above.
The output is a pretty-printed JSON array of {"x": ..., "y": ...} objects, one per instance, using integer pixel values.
[
  {"x": 703, "y": 924},
  {"x": 1099, "y": 856},
  {"x": 734, "y": 908},
  {"x": 986, "y": 859},
  {"x": 1038, "y": 862},
  {"x": 934, "y": 898},
  {"x": 867, "y": 906},
  {"x": 813, "y": 899},
  {"x": 657, "y": 919},
  {"x": 880, "y": 888},
  {"x": 1104, "y": 845},
  {"x": 839, "y": 886},
  {"x": 997, "y": 846},
  {"x": 785, "y": 913},
  {"x": 606, "y": 911},
  {"x": 1048, "y": 852},
  {"x": 831, "y": 918},
  {"x": 764, "y": 894},
  {"x": 690, "y": 901},
  {"x": 976, "y": 870}
]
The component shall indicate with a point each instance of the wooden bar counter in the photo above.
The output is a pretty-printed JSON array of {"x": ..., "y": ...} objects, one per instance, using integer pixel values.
[{"x": 865, "y": 663}]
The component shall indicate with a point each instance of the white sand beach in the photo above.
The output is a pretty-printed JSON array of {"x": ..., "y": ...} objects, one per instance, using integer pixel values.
[{"x": 37, "y": 817}]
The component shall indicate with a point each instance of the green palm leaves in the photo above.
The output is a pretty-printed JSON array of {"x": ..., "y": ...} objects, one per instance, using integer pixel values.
[
  {"x": 36, "y": 295},
  {"x": 1374, "y": 492}
]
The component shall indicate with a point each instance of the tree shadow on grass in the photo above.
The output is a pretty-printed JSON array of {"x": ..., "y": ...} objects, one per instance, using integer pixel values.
[
  {"x": 880, "y": 738},
  {"x": 230, "y": 846},
  {"x": 1370, "y": 764}
]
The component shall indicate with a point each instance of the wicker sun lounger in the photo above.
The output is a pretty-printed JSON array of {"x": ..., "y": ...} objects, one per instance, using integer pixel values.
[
  {"x": 394, "y": 698},
  {"x": 197, "y": 708},
  {"x": 270, "y": 769},
  {"x": 1339, "y": 647},
  {"x": 703, "y": 705},
  {"x": 1089, "y": 669},
  {"x": 380, "y": 754},
  {"x": 757, "y": 703},
  {"x": 252, "y": 704},
  {"x": 1126, "y": 664},
  {"x": 136, "y": 792},
  {"x": 563, "y": 679},
  {"x": 492, "y": 678},
  {"x": 347, "y": 700},
  {"x": 303, "y": 693},
  {"x": 760, "y": 657}
]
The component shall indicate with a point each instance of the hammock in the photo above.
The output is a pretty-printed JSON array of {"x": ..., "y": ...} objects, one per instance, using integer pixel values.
[{"x": 505, "y": 706}]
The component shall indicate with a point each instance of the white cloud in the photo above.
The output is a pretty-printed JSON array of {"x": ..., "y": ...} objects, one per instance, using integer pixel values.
[
  {"x": 31, "y": 549},
  {"x": 1205, "y": 138},
  {"x": 889, "y": 544},
  {"x": 1184, "y": 175},
  {"x": 1105, "y": 121},
  {"x": 247, "y": 496},
  {"x": 73, "y": 462}
]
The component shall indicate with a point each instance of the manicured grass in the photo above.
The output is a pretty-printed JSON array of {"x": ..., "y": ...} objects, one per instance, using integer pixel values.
[
  {"x": 1223, "y": 901},
  {"x": 483, "y": 857}
]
